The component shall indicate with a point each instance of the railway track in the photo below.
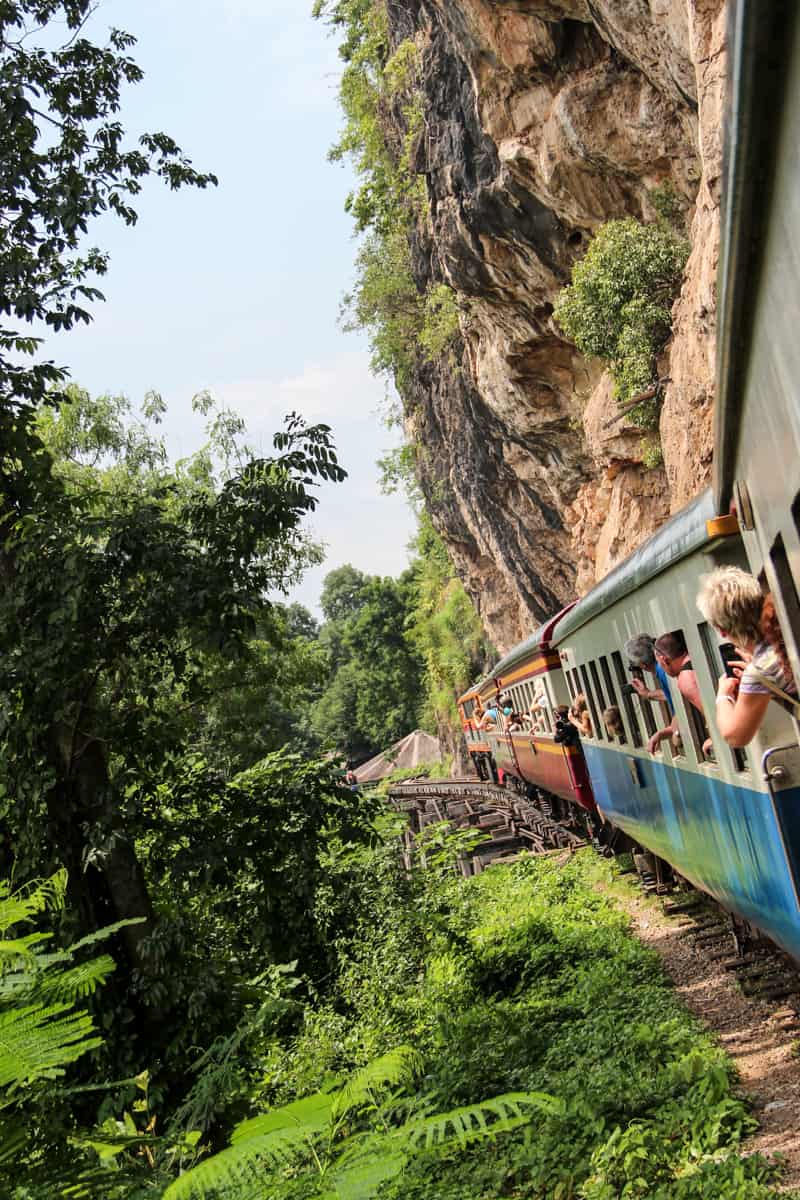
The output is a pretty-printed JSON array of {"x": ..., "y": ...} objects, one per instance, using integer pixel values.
[{"x": 514, "y": 826}]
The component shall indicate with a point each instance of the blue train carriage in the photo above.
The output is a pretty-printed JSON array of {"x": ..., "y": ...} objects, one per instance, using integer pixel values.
[{"x": 722, "y": 822}]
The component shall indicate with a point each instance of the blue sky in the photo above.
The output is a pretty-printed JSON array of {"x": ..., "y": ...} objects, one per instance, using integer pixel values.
[{"x": 237, "y": 289}]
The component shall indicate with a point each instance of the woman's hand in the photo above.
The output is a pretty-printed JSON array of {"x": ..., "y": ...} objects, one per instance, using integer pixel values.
[{"x": 728, "y": 687}]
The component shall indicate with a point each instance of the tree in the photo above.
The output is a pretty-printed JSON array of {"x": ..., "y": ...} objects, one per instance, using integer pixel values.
[
  {"x": 64, "y": 160},
  {"x": 373, "y": 694},
  {"x": 342, "y": 593},
  {"x": 133, "y": 585},
  {"x": 446, "y": 631},
  {"x": 618, "y": 306}
]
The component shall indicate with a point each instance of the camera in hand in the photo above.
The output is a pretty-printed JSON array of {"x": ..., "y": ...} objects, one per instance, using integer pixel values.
[
  {"x": 565, "y": 732},
  {"x": 627, "y": 688},
  {"x": 729, "y": 654}
]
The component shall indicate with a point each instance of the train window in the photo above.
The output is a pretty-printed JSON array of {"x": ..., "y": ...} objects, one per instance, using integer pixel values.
[
  {"x": 611, "y": 693},
  {"x": 601, "y": 702},
  {"x": 716, "y": 667},
  {"x": 627, "y": 701},
  {"x": 646, "y": 709},
  {"x": 694, "y": 717},
  {"x": 544, "y": 713},
  {"x": 786, "y": 583},
  {"x": 587, "y": 691},
  {"x": 573, "y": 689}
]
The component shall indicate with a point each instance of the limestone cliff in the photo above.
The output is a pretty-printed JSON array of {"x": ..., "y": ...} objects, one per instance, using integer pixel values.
[{"x": 542, "y": 120}]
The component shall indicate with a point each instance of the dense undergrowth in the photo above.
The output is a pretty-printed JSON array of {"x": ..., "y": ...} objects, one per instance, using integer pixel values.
[{"x": 524, "y": 980}]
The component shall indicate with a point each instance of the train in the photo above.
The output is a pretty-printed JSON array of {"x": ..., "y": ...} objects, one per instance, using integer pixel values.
[{"x": 728, "y": 822}]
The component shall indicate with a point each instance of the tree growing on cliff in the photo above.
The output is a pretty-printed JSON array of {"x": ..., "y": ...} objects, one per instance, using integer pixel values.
[{"x": 618, "y": 306}]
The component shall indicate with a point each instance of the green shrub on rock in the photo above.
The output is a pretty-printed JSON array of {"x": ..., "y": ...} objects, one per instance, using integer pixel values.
[{"x": 618, "y": 305}]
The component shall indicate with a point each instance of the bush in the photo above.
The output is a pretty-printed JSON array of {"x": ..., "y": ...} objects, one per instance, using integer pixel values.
[{"x": 618, "y": 306}]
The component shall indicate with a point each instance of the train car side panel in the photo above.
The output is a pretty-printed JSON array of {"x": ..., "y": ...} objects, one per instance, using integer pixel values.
[{"x": 725, "y": 839}]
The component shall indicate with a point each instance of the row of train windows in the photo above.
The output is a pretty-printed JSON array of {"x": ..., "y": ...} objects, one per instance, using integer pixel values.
[
  {"x": 524, "y": 699},
  {"x": 607, "y": 685}
]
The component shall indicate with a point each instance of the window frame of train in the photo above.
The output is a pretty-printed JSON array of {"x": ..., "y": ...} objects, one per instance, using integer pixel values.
[
  {"x": 694, "y": 720},
  {"x": 547, "y": 708},
  {"x": 603, "y": 734},
  {"x": 716, "y": 668},
  {"x": 646, "y": 709},
  {"x": 568, "y": 675},
  {"x": 627, "y": 700},
  {"x": 622, "y": 738},
  {"x": 587, "y": 691}
]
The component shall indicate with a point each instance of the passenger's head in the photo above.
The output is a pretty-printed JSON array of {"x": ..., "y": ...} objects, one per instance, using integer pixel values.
[
  {"x": 670, "y": 650},
  {"x": 640, "y": 651},
  {"x": 612, "y": 720},
  {"x": 731, "y": 600},
  {"x": 579, "y": 705}
]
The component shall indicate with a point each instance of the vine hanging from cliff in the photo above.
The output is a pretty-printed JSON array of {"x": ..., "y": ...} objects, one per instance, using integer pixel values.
[{"x": 380, "y": 97}]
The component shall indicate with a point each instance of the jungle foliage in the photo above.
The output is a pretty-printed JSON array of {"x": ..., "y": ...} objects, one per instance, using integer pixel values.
[
  {"x": 618, "y": 307},
  {"x": 206, "y": 942},
  {"x": 537, "y": 1023},
  {"x": 407, "y": 323}
]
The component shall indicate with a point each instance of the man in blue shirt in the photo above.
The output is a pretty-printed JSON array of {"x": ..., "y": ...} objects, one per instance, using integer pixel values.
[{"x": 641, "y": 653}]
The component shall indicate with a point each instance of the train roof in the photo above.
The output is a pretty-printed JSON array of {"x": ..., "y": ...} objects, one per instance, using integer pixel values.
[
  {"x": 676, "y": 539},
  {"x": 540, "y": 640}
]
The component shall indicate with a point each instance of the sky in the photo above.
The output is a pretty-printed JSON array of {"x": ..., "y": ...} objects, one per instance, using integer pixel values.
[{"x": 237, "y": 289}]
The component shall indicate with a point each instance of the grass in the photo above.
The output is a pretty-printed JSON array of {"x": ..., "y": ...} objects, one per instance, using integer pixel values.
[{"x": 527, "y": 979}]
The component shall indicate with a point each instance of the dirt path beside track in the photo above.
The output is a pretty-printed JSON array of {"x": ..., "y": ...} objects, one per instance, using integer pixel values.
[{"x": 762, "y": 1039}]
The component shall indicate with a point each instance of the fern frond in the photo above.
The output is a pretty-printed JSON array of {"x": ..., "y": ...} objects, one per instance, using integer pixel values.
[
  {"x": 399, "y": 1066},
  {"x": 311, "y": 1114},
  {"x": 102, "y": 935},
  {"x": 13, "y": 1139},
  {"x": 37, "y": 1041},
  {"x": 275, "y": 1137},
  {"x": 475, "y": 1121},
  {"x": 76, "y": 983},
  {"x": 13, "y": 948},
  {"x": 22, "y": 906},
  {"x": 375, "y": 1166}
]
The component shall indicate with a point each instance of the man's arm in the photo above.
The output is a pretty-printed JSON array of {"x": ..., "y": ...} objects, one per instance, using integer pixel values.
[
  {"x": 647, "y": 693},
  {"x": 661, "y": 735}
]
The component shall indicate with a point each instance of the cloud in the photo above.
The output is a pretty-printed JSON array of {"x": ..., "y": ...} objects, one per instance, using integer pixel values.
[{"x": 341, "y": 390}]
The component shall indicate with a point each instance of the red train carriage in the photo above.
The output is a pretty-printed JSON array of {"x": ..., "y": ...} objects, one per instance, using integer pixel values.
[{"x": 532, "y": 678}]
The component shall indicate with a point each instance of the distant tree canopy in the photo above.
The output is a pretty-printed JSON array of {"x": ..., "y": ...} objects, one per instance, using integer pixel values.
[{"x": 374, "y": 693}]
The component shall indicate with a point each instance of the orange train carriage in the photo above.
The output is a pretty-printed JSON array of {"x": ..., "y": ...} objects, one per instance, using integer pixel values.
[{"x": 533, "y": 758}]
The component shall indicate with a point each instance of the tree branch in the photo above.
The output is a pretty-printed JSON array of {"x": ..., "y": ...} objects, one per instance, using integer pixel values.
[{"x": 652, "y": 392}]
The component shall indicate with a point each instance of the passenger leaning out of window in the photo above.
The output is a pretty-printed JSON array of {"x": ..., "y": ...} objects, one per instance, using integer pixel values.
[
  {"x": 672, "y": 655},
  {"x": 733, "y": 602},
  {"x": 612, "y": 719},
  {"x": 640, "y": 651},
  {"x": 579, "y": 715},
  {"x": 489, "y": 716}
]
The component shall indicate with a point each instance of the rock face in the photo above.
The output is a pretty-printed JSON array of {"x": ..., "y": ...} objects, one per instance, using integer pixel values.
[{"x": 541, "y": 122}]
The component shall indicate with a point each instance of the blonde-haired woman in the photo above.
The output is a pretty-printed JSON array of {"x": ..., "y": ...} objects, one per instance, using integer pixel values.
[{"x": 732, "y": 601}]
